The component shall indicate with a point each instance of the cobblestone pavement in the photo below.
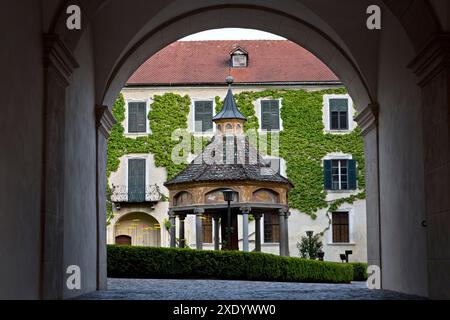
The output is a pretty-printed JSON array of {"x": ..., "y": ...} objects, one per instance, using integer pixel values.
[{"x": 164, "y": 289}]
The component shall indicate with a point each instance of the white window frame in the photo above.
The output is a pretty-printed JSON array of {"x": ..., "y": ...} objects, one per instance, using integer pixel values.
[
  {"x": 258, "y": 108},
  {"x": 148, "y": 131},
  {"x": 239, "y": 55},
  {"x": 351, "y": 218},
  {"x": 340, "y": 173},
  {"x": 339, "y": 156},
  {"x": 326, "y": 113},
  {"x": 192, "y": 112}
]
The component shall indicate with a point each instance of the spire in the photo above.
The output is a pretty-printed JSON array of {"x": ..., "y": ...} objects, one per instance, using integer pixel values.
[{"x": 229, "y": 109}]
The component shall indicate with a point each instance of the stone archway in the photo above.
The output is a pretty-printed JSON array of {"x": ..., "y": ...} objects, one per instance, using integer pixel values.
[
  {"x": 406, "y": 142},
  {"x": 141, "y": 228}
]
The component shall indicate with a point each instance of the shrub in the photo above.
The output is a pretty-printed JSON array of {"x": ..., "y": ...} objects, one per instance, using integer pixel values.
[
  {"x": 359, "y": 271},
  {"x": 310, "y": 246},
  {"x": 149, "y": 262}
]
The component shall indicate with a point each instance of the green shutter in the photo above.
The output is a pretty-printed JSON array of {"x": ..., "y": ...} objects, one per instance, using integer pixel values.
[
  {"x": 203, "y": 116},
  {"x": 352, "y": 174},
  {"x": 141, "y": 117},
  {"x": 270, "y": 116},
  {"x": 265, "y": 115},
  {"x": 132, "y": 117},
  {"x": 136, "y": 180},
  {"x": 275, "y": 115},
  {"x": 327, "y": 178},
  {"x": 137, "y": 117}
]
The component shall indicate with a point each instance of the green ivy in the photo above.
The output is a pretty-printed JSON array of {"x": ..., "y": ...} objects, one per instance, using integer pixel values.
[
  {"x": 303, "y": 143},
  {"x": 159, "y": 142}
]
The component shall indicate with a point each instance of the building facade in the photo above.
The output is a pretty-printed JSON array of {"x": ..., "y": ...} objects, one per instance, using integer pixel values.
[{"x": 275, "y": 81}]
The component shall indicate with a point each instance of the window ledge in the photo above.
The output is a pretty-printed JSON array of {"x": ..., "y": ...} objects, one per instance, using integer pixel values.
[
  {"x": 268, "y": 131},
  {"x": 338, "y": 131},
  {"x": 136, "y": 134},
  {"x": 341, "y": 191},
  {"x": 270, "y": 244},
  {"x": 342, "y": 244}
]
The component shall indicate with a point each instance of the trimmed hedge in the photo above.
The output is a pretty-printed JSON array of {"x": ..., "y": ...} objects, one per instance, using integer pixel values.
[
  {"x": 150, "y": 262},
  {"x": 359, "y": 271}
]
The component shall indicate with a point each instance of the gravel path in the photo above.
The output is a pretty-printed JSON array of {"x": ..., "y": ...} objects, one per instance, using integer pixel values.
[{"x": 171, "y": 289}]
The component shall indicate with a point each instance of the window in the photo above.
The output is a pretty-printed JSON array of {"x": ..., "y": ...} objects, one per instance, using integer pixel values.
[
  {"x": 239, "y": 61},
  {"x": 341, "y": 231},
  {"x": 137, "y": 117},
  {"x": 136, "y": 180},
  {"x": 203, "y": 113},
  {"x": 270, "y": 115},
  {"x": 207, "y": 229},
  {"x": 340, "y": 174},
  {"x": 271, "y": 228},
  {"x": 338, "y": 114},
  {"x": 274, "y": 164}
]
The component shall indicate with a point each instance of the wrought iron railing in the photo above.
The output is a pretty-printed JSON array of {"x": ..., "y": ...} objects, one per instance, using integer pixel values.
[{"x": 148, "y": 193}]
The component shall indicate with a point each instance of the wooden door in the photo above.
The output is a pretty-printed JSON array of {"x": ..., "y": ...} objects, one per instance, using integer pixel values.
[
  {"x": 123, "y": 240},
  {"x": 234, "y": 234}
]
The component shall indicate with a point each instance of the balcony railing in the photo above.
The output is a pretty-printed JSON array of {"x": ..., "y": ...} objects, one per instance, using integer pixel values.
[{"x": 148, "y": 193}]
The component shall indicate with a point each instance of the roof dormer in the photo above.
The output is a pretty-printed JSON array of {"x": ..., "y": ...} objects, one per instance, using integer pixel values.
[{"x": 239, "y": 57}]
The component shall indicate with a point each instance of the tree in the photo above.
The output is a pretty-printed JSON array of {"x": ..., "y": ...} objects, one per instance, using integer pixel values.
[{"x": 310, "y": 246}]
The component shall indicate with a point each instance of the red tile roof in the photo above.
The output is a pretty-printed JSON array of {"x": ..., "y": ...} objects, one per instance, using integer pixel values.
[{"x": 201, "y": 62}]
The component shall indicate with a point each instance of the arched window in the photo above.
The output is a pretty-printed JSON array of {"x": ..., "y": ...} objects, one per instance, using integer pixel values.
[
  {"x": 265, "y": 196},
  {"x": 216, "y": 196},
  {"x": 182, "y": 198}
]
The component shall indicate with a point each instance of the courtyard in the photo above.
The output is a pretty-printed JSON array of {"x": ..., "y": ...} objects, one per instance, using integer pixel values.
[{"x": 188, "y": 289}]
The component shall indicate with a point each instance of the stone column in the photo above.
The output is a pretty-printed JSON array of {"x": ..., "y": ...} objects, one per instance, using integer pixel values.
[
  {"x": 172, "y": 230},
  {"x": 432, "y": 67},
  {"x": 59, "y": 64},
  {"x": 245, "y": 211},
  {"x": 104, "y": 122},
  {"x": 286, "y": 232},
  {"x": 199, "y": 227},
  {"x": 281, "y": 214},
  {"x": 257, "y": 217},
  {"x": 182, "y": 240},
  {"x": 216, "y": 232},
  {"x": 368, "y": 121}
]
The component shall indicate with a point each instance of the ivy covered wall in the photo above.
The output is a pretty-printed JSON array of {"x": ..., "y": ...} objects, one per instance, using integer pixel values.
[{"x": 303, "y": 142}]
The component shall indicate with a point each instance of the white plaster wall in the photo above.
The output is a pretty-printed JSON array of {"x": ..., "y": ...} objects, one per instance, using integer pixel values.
[
  {"x": 154, "y": 175},
  {"x": 145, "y": 94},
  {"x": 299, "y": 223},
  {"x": 80, "y": 226},
  {"x": 159, "y": 212},
  {"x": 21, "y": 139},
  {"x": 403, "y": 239}
]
